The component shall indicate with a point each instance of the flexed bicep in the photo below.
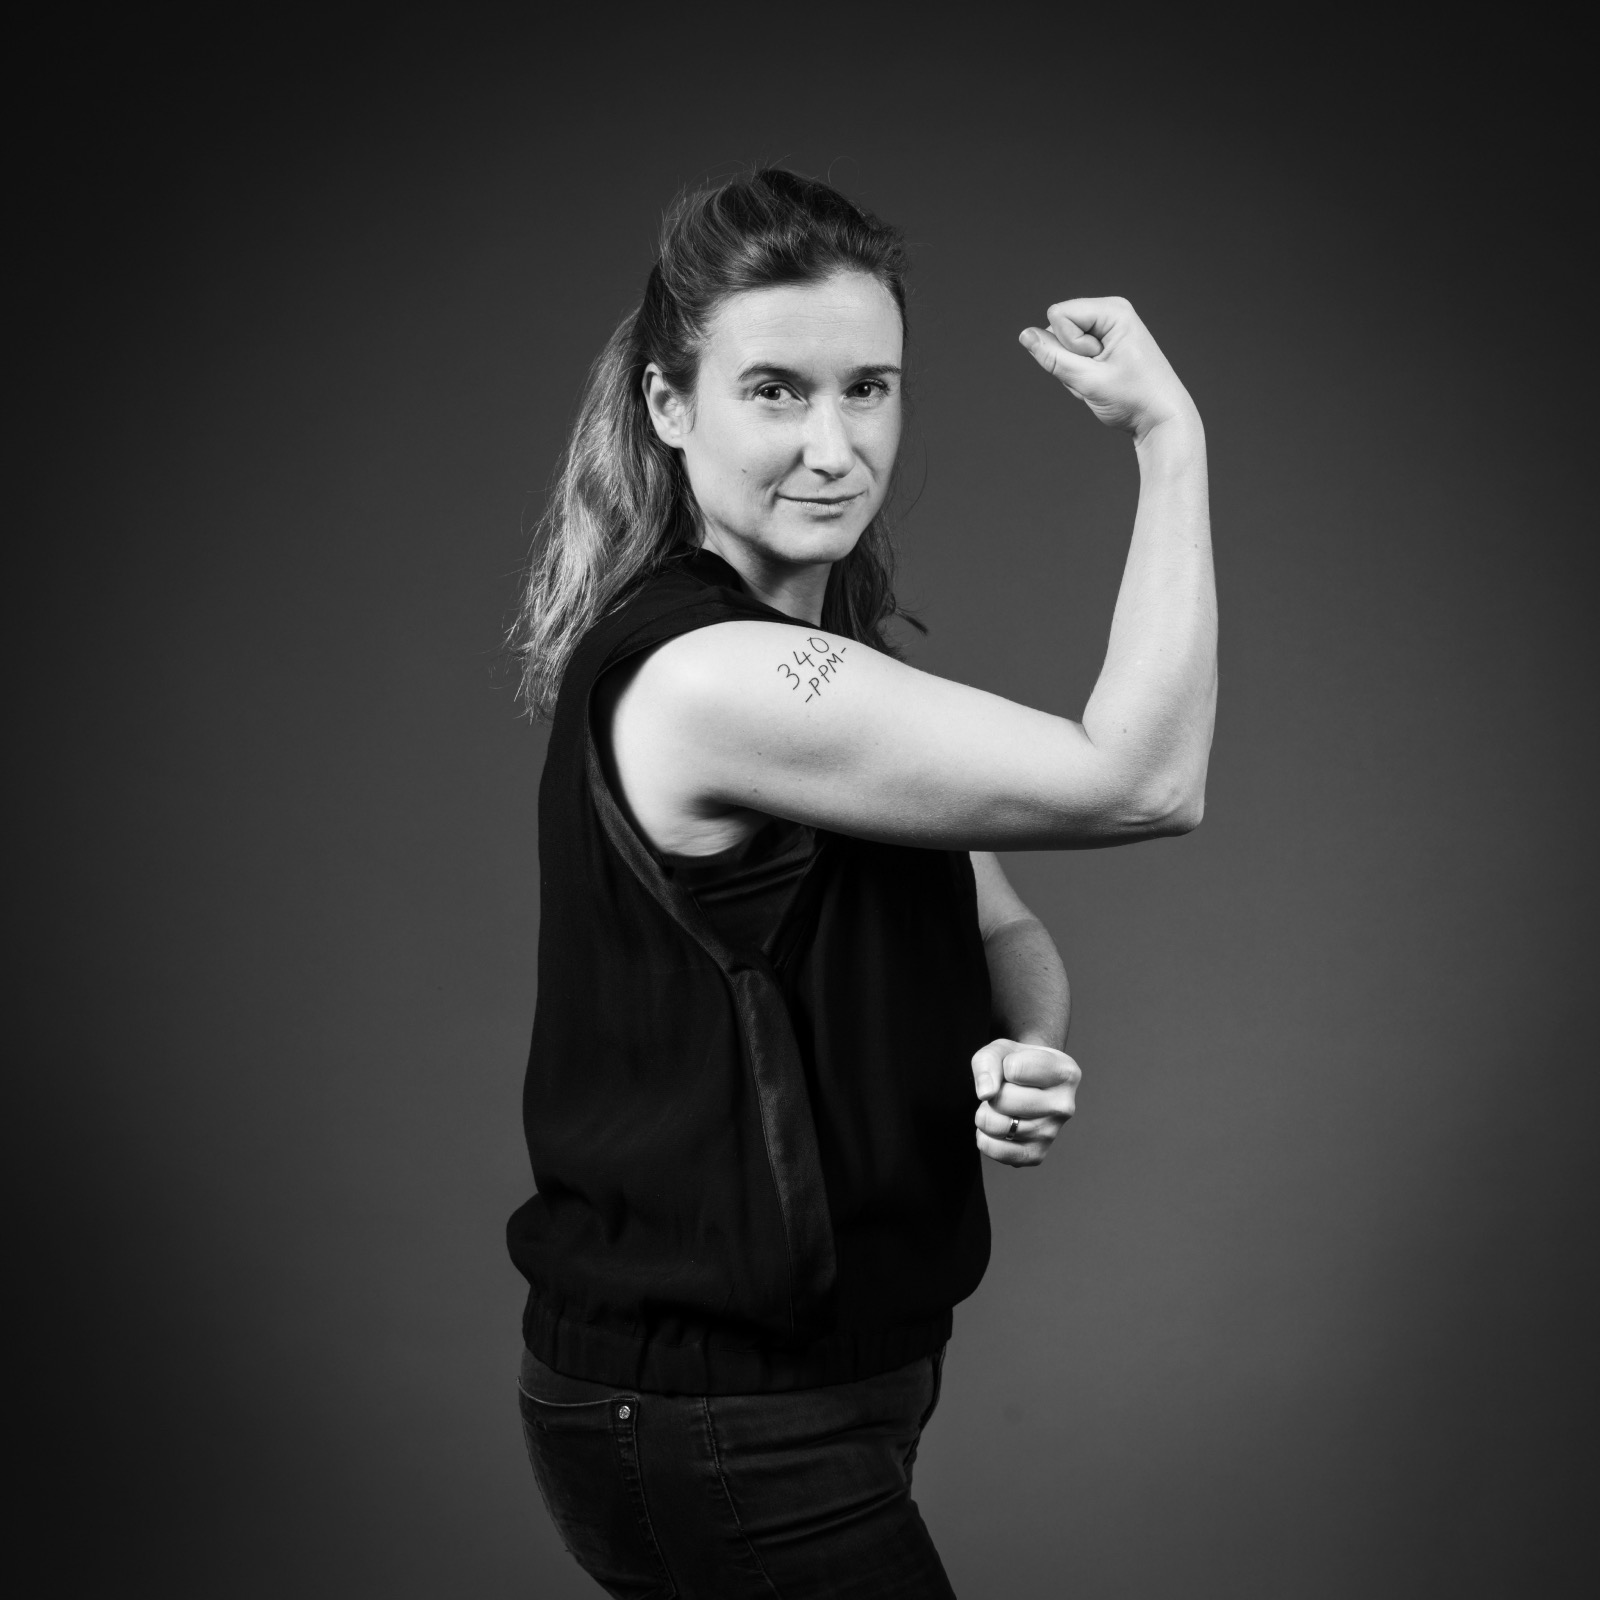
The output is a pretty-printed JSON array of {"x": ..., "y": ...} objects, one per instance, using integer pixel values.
[{"x": 801, "y": 723}]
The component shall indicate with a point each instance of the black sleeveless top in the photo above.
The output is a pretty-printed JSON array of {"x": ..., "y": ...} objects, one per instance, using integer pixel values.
[
  {"x": 749, "y": 1095},
  {"x": 745, "y": 889}
]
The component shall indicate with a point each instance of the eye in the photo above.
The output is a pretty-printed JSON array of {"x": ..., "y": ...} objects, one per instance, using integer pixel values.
[
  {"x": 869, "y": 389},
  {"x": 773, "y": 391}
]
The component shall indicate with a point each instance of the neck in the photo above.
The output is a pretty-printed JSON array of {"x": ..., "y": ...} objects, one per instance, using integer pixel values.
[{"x": 796, "y": 591}]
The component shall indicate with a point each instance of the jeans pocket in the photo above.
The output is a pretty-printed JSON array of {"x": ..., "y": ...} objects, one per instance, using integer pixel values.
[{"x": 586, "y": 1462}]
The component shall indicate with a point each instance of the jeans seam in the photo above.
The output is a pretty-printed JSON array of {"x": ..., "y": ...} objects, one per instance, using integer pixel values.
[
  {"x": 727, "y": 1495},
  {"x": 938, "y": 1384},
  {"x": 629, "y": 1452},
  {"x": 909, "y": 1461}
]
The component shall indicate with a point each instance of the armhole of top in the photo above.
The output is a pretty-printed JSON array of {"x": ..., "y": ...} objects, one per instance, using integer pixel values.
[
  {"x": 634, "y": 649},
  {"x": 597, "y": 731},
  {"x": 627, "y": 838}
]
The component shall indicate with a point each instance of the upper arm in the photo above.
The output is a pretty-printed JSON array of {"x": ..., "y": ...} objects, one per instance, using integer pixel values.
[{"x": 796, "y": 723}]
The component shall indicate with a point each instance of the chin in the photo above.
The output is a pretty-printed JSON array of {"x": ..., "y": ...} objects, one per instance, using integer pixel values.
[
  {"x": 800, "y": 541},
  {"x": 818, "y": 541}
]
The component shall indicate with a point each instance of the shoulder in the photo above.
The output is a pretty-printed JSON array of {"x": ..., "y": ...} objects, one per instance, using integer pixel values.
[
  {"x": 672, "y": 600},
  {"x": 685, "y": 726},
  {"x": 739, "y": 668},
  {"x": 703, "y": 654}
]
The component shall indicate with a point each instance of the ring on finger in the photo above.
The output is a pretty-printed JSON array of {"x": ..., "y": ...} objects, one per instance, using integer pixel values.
[{"x": 1011, "y": 1132}]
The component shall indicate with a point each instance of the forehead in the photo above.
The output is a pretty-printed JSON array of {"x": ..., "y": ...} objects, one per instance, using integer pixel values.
[{"x": 849, "y": 319}]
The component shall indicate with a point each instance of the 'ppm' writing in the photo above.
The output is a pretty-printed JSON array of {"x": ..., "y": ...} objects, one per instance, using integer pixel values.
[{"x": 822, "y": 658}]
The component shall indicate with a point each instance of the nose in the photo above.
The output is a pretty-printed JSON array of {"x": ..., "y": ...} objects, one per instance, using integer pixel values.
[{"x": 828, "y": 448}]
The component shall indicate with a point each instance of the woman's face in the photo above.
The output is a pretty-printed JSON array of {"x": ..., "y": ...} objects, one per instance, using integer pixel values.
[{"x": 791, "y": 434}]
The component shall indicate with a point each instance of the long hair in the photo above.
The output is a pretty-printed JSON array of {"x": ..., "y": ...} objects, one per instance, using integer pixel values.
[{"x": 621, "y": 504}]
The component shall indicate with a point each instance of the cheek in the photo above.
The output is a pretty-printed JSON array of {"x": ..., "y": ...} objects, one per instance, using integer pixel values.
[
  {"x": 765, "y": 455},
  {"x": 744, "y": 457},
  {"x": 879, "y": 442}
]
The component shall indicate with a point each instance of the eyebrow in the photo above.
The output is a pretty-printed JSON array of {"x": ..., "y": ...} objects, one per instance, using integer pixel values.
[{"x": 762, "y": 369}]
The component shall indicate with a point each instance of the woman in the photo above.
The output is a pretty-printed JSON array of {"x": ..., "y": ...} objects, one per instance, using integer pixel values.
[{"x": 775, "y": 954}]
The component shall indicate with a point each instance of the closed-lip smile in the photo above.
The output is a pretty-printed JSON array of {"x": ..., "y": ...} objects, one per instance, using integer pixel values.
[{"x": 820, "y": 499}]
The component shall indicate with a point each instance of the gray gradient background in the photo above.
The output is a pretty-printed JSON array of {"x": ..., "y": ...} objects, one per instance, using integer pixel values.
[{"x": 1303, "y": 1304}]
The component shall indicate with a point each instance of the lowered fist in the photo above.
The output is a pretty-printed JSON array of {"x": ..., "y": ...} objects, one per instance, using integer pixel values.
[{"x": 1026, "y": 1096}]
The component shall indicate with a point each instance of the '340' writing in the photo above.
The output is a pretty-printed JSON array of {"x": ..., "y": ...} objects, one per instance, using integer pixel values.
[{"x": 822, "y": 658}]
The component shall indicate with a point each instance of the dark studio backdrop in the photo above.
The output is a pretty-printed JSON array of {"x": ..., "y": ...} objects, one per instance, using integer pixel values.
[{"x": 1303, "y": 1304}]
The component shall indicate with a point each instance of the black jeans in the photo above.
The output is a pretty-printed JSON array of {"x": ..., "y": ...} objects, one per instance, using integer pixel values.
[{"x": 692, "y": 1497}]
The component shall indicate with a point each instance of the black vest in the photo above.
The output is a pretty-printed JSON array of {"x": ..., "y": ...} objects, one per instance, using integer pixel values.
[{"x": 755, "y": 1171}]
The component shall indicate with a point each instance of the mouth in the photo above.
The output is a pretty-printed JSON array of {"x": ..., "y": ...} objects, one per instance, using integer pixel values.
[{"x": 820, "y": 499}]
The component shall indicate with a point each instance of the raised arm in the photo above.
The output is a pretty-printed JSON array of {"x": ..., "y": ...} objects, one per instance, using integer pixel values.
[
  {"x": 1154, "y": 705},
  {"x": 794, "y": 722}
]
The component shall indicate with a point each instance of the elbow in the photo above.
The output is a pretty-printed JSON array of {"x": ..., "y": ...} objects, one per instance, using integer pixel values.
[
  {"x": 1168, "y": 811},
  {"x": 1185, "y": 817}
]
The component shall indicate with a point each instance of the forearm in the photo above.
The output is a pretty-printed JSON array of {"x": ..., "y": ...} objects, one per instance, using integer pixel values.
[
  {"x": 1153, "y": 707},
  {"x": 1030, "y": 997}
]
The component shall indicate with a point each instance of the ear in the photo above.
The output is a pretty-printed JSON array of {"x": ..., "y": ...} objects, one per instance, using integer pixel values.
[{"x": 669, "y": 413}]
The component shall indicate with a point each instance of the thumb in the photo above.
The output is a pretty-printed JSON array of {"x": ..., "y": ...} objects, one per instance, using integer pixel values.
[{"x": 988, "y": 1074}]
